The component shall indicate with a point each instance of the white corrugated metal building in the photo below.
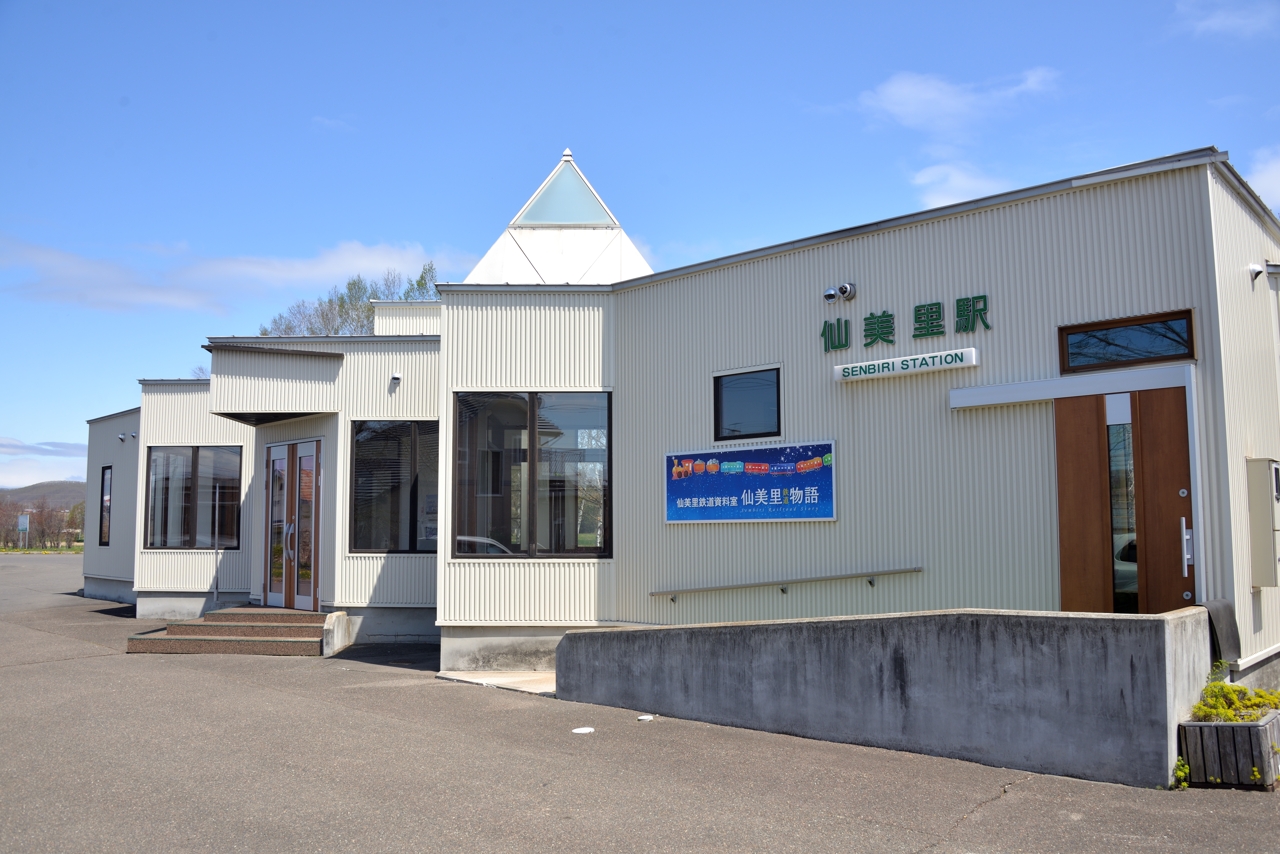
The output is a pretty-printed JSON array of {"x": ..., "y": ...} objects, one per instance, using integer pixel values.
[{"x": 1092, "y": 432}]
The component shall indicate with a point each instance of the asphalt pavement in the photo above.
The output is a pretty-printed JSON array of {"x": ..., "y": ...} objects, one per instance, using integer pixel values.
[{"x": 368, "y": 751}]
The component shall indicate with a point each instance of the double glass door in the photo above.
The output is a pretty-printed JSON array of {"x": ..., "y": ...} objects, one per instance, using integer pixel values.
[{"x": 292, "y": 481}]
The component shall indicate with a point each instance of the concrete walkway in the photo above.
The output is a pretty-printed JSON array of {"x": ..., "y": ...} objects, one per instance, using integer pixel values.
[
  {"x": 539, "y": 682},
  {"x": 369, "y": 751}
]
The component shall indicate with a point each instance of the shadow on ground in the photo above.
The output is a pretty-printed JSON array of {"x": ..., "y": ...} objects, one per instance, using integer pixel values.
[{"x": 423, "y": 657}]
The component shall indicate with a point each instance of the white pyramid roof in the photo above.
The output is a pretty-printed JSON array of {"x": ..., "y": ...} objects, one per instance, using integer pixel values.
[{"x": 564, "y": 234}]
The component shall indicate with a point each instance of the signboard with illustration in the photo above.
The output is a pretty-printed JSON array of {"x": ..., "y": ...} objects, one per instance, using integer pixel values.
[{"x": 774, "y": 483}]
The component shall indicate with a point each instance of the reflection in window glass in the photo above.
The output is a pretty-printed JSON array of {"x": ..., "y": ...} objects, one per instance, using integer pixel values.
[
  {"x": 218, "y": 499},
  {"x": 104, "y": 513},
  {"x": 1124, "y": 526},
  {"x": 1163, "y": 339},
  {"x": 492, "y": 468},
  {"x": 169, "y": 499},
  {"x": 394, "y": 467},
  {"x": 746, "y": 405},
  {"x": 573, "y": 473},
  {"x": 193, "y": 498}
]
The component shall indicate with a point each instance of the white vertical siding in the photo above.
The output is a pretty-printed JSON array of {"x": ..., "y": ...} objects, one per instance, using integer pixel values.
[
  {"x": 406, "y": 318},
  {"x": 253, "y": 381},
  {"x": 1247, "y": 422},
  {"x": 968, "y": 495},
  {"x": 115, "y": 560},
  {"x": 178, "y": 414},
  {"x": 402, "y": 580},
  {"x": 522, "y": 342}
]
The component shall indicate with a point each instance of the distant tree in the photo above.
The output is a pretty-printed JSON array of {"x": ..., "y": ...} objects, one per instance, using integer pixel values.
[
  {"x": 423, "y": 287},
  {"x": 347, "y": 311},
  {"x": 8, "y": 523},
  {"x": 199, "y": 372},
  {"x": 75, "y": 523}
]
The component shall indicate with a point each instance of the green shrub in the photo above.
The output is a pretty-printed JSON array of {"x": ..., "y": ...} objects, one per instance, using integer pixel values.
[{"x": 1227, "y": 703}]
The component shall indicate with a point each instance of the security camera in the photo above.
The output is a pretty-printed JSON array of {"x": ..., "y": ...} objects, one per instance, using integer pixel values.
[
  {"x": 1255, "y": 270},
  {"x": 395, "y": 378},
  {"x": 829, "y": 295},
  {"x": 848, "y": 290}
]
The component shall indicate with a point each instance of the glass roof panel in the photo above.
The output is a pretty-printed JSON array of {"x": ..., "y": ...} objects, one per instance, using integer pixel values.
[{"x": 566, "y": 200}]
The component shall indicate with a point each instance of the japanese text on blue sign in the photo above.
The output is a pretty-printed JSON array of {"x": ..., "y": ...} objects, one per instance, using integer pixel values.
[{"x": 777, "y": 483}]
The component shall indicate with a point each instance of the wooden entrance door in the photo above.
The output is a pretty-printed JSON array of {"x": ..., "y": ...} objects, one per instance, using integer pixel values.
[
  {"x": 1124, "y": 502},
  {"x": 292, "y": 517}
]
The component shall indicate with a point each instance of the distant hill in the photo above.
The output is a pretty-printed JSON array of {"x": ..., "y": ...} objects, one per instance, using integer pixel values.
[{"x": 59, "y": 493}]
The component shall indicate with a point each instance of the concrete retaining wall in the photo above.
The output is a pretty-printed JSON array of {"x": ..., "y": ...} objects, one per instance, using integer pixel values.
[{"x": 1094, "y": 696}]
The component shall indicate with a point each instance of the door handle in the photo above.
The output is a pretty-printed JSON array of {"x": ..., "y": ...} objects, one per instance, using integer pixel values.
[
  {"x": 288, "y": 532},
  {"x": 1188, "y": 555}
]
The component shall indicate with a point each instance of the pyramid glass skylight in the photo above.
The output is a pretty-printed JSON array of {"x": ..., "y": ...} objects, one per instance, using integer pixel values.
[{"x": 565, "y": 200}]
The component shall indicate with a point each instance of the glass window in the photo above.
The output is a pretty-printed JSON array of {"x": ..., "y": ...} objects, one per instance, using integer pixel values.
[
  {"x": 748, "y": 405},
  {"x": 572, "y": 476},
  {"x": 104, "y": 513},
  {"x": 394, "y": 485},
  {"x": 193, "y": 498},
  {"x": 492, "y": 468},
  {"x": 566, "y": 512},
  {"x": 566, "y": 200},
  {"x": 1156, "y": 338}
]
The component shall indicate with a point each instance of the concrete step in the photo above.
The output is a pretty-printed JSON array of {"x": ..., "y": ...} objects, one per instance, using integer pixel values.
[
  {"x": 257, "y": 614},
  {"x": 201, "y": 628},
  {"x": 161, "y": 642}
]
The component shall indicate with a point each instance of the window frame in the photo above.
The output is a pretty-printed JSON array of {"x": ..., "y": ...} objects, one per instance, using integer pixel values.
[
  {"x": 715, "y": 404},
  {"x": 1141, "y": 320},
  {"x": 195, "y": 486},
  {"x": 530, "y": 551},
  {"x": 413, "y": 490},
  {"x": 104, "y": 504}
]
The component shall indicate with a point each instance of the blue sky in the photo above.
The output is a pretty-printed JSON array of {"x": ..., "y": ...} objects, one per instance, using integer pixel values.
[{"x": 174, "y": 171}]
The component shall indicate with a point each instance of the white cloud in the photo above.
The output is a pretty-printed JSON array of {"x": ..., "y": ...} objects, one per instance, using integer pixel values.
[
  {"x": 1264, "y": 177},
  {"x": 24, "y": 471},
  {"x": 17, "y": 447},
  {"x": 1222, "y": 17},
  {"x": 937, "y": 106},
  {"x": 207, "y": 284},
  {"x": 330, "y": 124},
  {"x": 948, "y": 183}
]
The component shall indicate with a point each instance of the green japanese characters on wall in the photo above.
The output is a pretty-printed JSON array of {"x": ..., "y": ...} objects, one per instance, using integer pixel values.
[{"x": 929, "y": 321}]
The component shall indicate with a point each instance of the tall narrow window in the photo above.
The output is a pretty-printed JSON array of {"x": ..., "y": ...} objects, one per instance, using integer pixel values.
[
  {"x": 193, "y": 498},
  {"x": 394, "y": 484},
  {"x": 748, "y": 405},
  {"x": 552, "y": 502},
  {"x": 104, "y": 513}
]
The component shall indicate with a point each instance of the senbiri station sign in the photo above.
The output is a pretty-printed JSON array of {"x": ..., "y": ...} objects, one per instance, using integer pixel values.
[
  {"x": 773, "y": 483},
  {"x": 896, "y": 367}
]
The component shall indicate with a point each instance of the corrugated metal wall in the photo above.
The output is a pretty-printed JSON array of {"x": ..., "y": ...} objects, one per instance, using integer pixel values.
[
  {"x": 362, "y": 390},
  {"x": 968, "y": 495},
  {"x": 1248, "y": 425},
  {"x": 401, "y": 318},
  {"x": 178, "y": 414},
  {"x": 269, "y": 382},
  {"x": 115, "y": 560},
  {"x": 522, "y": 342}
]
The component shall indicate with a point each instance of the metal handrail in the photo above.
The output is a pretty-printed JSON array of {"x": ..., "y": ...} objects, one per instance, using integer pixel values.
[{"x": 785, "y": 583}]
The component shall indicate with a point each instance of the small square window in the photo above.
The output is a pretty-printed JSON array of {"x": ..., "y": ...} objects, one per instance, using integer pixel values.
[{"x": 748, "y": 405}]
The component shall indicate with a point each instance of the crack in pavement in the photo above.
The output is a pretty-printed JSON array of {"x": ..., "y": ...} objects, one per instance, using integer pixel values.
[{"x": 1004, "y": 790}]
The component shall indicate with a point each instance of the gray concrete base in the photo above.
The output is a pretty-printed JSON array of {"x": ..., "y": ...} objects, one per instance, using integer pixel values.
[
  {"x": 169, "y": 605},
  {"x": 393, "y": 625},
  {"x": 337, "y": 634},
  {"x": 499, "y": 647},
  {"x": 1096, "y": 696},
  {"x": 110, "y": 589},
  {"x": 1264, "y": 674}
]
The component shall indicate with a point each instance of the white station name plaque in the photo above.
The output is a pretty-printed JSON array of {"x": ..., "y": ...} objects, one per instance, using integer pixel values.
[{"x": 897, "y": 367}]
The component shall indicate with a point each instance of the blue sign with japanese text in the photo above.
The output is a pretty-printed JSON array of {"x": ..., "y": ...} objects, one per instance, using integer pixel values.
[{"x": 775, "y": 483}]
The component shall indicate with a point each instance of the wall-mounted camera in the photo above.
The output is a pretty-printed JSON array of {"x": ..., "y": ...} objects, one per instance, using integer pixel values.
[
  {"x": 848, "y": 290},
  {"x": 829, "y": 295}
]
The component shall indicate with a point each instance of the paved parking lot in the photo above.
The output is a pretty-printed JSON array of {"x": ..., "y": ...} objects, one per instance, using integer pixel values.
[{"x": 100, "y": 751}]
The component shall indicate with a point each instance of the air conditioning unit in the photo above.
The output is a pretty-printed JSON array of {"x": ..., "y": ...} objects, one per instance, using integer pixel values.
[{"x": 1264, "y": 520}]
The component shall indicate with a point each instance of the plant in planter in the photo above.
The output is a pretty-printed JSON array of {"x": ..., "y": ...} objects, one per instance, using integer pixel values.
[{"x": 1231, "y": 738}]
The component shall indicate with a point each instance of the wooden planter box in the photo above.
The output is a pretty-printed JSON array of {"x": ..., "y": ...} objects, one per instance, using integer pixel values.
[{"x": 1223, "y": 754}]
